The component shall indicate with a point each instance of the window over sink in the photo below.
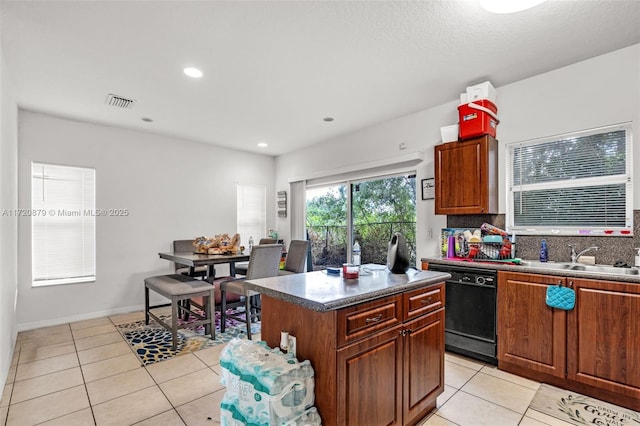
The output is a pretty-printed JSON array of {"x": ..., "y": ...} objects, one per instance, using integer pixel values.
[{"x": 573, "y": 184}]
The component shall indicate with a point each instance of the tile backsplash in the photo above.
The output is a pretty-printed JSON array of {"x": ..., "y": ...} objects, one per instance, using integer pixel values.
[{"x": 611, "y": 249}]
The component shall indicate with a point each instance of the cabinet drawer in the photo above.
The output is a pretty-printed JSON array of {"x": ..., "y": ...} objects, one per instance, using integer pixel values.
[
  {"x": 365, "y": 319},
  {"x": 422, "y": 301}
]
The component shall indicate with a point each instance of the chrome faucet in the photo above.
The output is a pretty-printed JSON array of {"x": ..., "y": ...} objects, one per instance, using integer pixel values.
[{"x": 575, "y": 257}]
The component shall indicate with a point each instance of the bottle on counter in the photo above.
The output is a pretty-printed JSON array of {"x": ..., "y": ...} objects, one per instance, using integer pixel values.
[
  {"x": 250, "y": 243},
  {"x": 544, "y": 253},
  {"x": 355, "y": 258}
]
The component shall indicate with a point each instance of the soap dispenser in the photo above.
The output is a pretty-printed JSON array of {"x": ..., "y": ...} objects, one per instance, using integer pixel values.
[
  {"x": 637, "y": 262},
  {"x": 544, "y": 254}
]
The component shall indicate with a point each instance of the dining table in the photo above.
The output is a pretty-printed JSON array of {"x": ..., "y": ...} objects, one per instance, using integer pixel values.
[{"x": 193, "y": 260}]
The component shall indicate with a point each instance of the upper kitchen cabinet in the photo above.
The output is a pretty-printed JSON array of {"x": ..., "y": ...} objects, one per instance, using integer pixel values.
[{"x": 467, "y": 176}]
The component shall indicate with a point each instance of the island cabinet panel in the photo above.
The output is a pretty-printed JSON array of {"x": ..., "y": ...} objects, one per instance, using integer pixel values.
[
  {"x": 364, "y": 319},
  {"x": 530, "y": 334},
  {"x": 369, "y": 384},
  {"x": 316, "y": 339},
  {"x": 379, "y": 362},
  {"x": 423, "y": 364},
  {"x": 604, "y": 331},
  {"x": 422, "y": 301}
]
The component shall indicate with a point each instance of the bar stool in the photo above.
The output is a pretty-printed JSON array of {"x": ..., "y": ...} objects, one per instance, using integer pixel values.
[{"x": 178, "y": 287}]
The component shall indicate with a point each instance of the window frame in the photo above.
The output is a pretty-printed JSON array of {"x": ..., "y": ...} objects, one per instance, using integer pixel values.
[
  {"x": 260, "y": 225},
  {"x": 625, "y": 179},
  {"x": 52, "y": 213},
  {"x": 349, "y": 185}
]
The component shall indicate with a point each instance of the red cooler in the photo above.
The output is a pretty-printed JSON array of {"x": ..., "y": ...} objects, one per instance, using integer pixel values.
[{"x": 478, "y": 118}]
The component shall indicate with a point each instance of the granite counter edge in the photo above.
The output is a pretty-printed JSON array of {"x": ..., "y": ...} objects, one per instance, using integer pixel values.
[
  {"x": 536, "y": 270},
  {"x": 346, "y": 301}
]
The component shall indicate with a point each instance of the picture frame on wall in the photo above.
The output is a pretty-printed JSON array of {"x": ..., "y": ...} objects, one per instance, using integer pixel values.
[{"x": 428, "y": 189}]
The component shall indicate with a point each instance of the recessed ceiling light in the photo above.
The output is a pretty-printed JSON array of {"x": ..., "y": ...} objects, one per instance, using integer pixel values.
[
  {"x": 193, "y": 72},
  {"x": 147, "y": 119},
  {"x": 263, "y": 144},
  {"x": 508, "y": 6},
  {"x": 327, "y": 119}
]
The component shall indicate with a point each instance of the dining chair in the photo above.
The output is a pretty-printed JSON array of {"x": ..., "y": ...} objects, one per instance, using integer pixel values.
[
  {"x": 264, "y": 262},
  {"x": 296, "y": 261},
  {"x": 241, "y": 267},
  {"x": 186, "y": 246},
  {"x": 200, "y": 272}
]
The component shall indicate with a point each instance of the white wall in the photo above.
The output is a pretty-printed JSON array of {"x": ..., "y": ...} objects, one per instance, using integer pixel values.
[
  {"x": 8, "y": 223},
  {"x": 596, "y": 92},
  {"x": 173, "y": 189}
]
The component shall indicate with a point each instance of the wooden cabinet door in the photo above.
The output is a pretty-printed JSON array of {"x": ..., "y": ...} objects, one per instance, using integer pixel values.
[
  {"x": 604, "y": 336},
  {"x": 466, "y": 177},
  {"x": 530, "y": 333},
  {"x": 369, "y": 380},
  {"x": 423, "y": 372}
]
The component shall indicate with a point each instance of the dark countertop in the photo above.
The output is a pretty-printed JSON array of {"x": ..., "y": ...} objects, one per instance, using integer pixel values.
[
  {"x": 322, "y": 292},
  {"x": 549, "y": 270}
]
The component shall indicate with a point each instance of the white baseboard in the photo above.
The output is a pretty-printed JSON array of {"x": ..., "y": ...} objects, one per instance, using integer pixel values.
[{"x": 76, "y": 318}]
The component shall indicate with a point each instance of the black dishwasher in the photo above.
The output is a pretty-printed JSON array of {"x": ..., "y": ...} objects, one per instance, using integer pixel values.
[{"x": 470, "y": 311}]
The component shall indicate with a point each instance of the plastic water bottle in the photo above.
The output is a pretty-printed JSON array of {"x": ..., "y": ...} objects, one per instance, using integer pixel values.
[
  {"x": 250, "y": 243},
  {"x": 544, "y": 255},
  {"x": 355, "y": 258}
]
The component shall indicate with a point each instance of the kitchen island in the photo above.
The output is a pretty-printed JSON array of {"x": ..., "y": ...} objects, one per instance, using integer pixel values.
[{"x": 376, "y": 343}]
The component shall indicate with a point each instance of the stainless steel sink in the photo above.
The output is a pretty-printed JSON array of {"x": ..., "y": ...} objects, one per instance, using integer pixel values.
[
  {"x": 545, "y": 265},
  {"x": 601, "y": 269},
  {"x": 567, "y": 266}
]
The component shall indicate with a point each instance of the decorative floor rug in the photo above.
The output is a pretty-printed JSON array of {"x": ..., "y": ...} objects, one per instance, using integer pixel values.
[
  {"x": 579, "y": 409},
  {"x": 152, "y": 343}
]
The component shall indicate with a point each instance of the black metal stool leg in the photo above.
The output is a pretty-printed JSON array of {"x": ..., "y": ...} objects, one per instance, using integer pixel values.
[
  {"x": 248, "y": 315},
  {"x": 146, "y": 305},
  {"x": 223, "y": 311}
]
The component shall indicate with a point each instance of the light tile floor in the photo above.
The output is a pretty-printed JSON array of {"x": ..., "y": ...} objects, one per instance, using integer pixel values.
[
  {"x": 84, "y": 373},
  {"x": 478, "y": 394}
]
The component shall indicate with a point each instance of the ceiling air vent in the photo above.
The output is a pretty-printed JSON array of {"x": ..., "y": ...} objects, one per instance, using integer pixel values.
[{"x": 119, "y": 101}]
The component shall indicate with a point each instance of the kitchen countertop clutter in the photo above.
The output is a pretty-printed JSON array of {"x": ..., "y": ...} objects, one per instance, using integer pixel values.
[{"x": 563, "y": 269}]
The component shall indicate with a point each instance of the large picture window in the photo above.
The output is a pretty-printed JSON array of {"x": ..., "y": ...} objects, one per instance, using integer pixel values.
[
  {"x": 576, "y": 184},
  {"x": 366, "y": 210},
  {"x": 63, "y": 224}
]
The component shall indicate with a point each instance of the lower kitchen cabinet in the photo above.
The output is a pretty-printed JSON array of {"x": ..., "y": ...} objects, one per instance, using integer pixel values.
[
  {"x": 423, "y": 372},
  {"x": 370, "y": 380},
  {"x": 592, "y": 349},
  {"x": 604, "y": 331},
  {"x": 380, "y": 362},
  {"x": 530, "y": 334},
  {"x": 392, "y": 377}
]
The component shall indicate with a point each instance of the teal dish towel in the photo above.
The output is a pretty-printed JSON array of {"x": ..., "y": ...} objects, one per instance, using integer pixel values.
[{"x": 561, "y": 297}]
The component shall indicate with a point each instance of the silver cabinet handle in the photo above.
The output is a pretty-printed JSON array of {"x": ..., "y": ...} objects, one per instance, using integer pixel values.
[{"x": 374, "y": 319}]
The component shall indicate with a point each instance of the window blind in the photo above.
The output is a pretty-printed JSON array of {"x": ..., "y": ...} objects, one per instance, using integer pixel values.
[
  {"x": 63, "y": 228},
  {"x": 252, "y": 212},
  {"x": 579, "y": 183}
]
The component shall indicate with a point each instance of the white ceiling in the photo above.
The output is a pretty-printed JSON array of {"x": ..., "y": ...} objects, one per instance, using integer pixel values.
[{"x": 274, "y": 69}]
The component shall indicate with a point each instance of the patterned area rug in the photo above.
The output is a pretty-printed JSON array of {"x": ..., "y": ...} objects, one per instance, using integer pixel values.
[
  {"x": 152, "y": 343},
  {"x": 578, "y": 409}
]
